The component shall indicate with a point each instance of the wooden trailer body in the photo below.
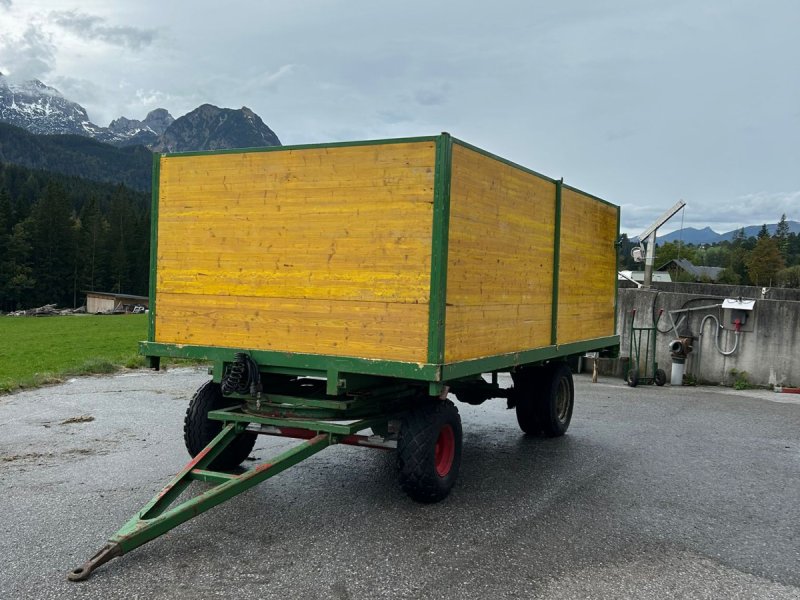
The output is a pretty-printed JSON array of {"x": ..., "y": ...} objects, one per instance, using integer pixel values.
[
  {"x": 349, "y": 288},
  {"x": 422, "y": 258}
]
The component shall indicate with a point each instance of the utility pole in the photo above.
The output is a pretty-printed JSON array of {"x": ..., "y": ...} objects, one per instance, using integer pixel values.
[{"x": 648, "y": 239}]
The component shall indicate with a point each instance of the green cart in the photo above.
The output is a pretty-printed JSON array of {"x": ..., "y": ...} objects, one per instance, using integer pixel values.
[{"x": 643, "y": 368}]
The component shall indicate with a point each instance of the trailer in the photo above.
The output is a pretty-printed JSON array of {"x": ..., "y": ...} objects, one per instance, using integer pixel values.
[{"x": 346, "y": 293}]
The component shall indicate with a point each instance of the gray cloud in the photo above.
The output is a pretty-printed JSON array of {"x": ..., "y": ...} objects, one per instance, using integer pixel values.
[
  {"x": 30, "y": 56},
  {"x": 95, "y": 28},
  {"x": 640, "y": 103},
  {"x": 749, "y": 209},
  {"x": 431, "y": 97},
  {"x": 394, "y": 117},
  {"x": 5, "y": 4},
  {"x": 73, "y": 87}
]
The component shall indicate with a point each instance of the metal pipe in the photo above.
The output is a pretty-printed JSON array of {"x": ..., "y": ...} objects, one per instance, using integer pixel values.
[
  {"x": 716, "y": 337},
  {"x": 670, "y": 314}
]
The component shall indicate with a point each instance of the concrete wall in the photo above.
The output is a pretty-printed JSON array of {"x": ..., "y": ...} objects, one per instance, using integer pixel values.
[
  {"x": 769, "y": 345},
  {"x": 721, "y": 290}
]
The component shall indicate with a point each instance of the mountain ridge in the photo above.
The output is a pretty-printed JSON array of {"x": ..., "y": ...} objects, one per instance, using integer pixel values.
[
  {"x": 706, "y": 235},
  {"x": 43, "y": 110}
]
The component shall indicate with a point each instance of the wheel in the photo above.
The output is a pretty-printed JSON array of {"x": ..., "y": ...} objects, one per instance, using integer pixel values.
[
  {"x": 660, "y": 377},
  {"x": 199, "y": 430},
  {"x": 633, "y": 377},
  {"x": 555, "y": 408},
  {"x": 528, "y": 391},
  {"x": 429, "y": 451}
]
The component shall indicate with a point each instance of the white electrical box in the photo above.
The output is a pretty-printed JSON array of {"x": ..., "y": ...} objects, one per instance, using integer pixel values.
[{"x": 738, "y": 309}]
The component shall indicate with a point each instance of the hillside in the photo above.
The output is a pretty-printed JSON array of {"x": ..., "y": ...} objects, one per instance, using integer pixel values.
[
  {"x": 77, "y": 156},
  {"x": 61, "y": 234}
]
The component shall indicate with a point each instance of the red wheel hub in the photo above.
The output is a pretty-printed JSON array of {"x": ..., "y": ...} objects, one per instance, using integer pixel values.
[{"x": 445, "y": 451}]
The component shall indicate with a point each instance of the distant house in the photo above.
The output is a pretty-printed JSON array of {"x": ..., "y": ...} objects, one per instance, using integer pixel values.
[
  {"x": 698, "y": 273},
  {"x": 109, "y": 302}
]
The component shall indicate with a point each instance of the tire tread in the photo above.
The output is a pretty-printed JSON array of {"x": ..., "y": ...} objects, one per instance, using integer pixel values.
[
  {"x": 415, "y": 449},
  {"x": 199, "y": 430}
]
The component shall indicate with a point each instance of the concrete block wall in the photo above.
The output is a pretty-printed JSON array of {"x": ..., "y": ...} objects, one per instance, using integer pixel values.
[{"x": 768, "y": 349}]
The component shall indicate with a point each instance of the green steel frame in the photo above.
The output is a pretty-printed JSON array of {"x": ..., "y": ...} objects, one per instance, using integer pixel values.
[
  {"x": 338, "y": 369},
  {"x": 164, "y": 512}
]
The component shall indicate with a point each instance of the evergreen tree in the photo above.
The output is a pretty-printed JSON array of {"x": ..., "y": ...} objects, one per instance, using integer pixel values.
[
  {"x": 794, "y": 249},
  {"x": 782, "y": 236},
  {"x": 55, "y": 238},
  {"x": 6, "y": 213},
  {"x": 763, "y": 233},
  {"x": 764, "y": 262},
  {"x": 16, "y": 273},
  {"x": 53, "y": 247},
  {"x": 92, "y": 246},
  {"x": 737, "y": 256},
  {"x": 122, "y": 223}
]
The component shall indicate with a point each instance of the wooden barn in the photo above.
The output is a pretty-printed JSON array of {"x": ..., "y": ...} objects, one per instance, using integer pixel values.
[{"x": 109, "y": 302}]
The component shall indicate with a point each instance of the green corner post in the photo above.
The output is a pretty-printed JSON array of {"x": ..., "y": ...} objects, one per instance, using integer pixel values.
[
  {"x": 154, "y": 362},
  {"x": 556, "y": 264},
  {"x": 617, "y": 245},
  {"x": 439, "y": 245}
]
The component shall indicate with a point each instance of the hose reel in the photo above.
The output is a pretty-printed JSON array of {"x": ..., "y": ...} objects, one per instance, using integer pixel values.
[{"x": 241, "y": 376}]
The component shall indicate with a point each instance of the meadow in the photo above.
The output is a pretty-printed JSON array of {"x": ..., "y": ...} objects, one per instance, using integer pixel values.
[{"x": 39, "y": 350}]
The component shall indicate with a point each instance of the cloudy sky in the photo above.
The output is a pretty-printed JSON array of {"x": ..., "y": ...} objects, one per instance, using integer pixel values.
[{"x": 640, "y": 102}]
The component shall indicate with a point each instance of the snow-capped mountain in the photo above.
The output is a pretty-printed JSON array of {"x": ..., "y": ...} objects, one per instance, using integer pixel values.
[
  {"x": 129, "y": 132},
  {"x": 39, "y": 108},
  {"x": 42, "y": 109}
]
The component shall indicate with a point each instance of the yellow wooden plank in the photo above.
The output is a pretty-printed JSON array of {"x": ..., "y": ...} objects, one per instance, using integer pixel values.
[
  {"x": 499, "y": 272},
  {"x": 471, "y": 338},
  {"x": 379, "y": 330},
  {"x": 587, "y": 275},
  {"x": 324, "y": 250}
]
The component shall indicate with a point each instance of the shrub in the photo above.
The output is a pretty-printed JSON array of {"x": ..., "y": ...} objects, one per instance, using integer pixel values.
[
  {"x": 789, "y": 278},
  {"x": 740, "y": 381}
]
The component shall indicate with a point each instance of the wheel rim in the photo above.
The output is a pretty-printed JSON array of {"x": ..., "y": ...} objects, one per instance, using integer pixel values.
[
  {"x": 445, "y": 450},
  {"x": 562, "y": 400}
]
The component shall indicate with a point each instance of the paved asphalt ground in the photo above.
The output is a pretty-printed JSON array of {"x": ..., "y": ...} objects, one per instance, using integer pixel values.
[{"x": 653, "y": 493}]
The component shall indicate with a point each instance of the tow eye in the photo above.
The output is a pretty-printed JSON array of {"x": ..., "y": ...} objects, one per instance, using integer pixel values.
[{"x": 108, "y": 552}]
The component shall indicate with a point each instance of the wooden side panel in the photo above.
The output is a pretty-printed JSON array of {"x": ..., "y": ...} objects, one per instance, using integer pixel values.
[
  {"x": 319, "y": 250},
  {"x": 500, "y": 260},
  {"x": 588, "y": 262}
]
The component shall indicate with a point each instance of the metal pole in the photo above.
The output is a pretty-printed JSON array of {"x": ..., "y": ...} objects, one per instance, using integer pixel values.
[{"x": 650, "y": 251}]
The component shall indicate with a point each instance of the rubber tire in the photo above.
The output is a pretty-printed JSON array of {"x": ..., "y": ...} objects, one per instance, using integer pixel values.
[
  {"x": 559, "y": 381},
  {"x": 199, "y": 430},
  {"x": 660, "y": 377},
  {"x": 528, "y": 391},
  {"x": 633, "y": 378},
  {"x": 416, "y": 451}
]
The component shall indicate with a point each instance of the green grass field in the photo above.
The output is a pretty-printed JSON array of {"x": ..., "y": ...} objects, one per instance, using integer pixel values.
[{"x": 39, "y": 350}]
